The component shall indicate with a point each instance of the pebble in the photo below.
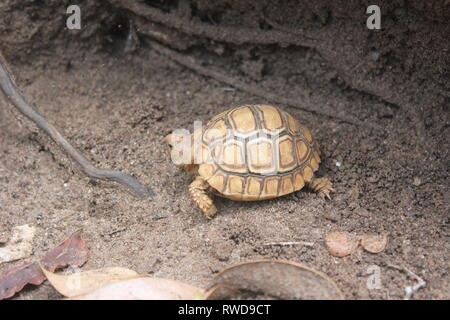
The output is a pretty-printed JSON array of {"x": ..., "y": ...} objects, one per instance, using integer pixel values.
[
  {"x": 417, "y": 182},
  {"x": 374, "y": 243},
  {"x": 341, "y": 244}
]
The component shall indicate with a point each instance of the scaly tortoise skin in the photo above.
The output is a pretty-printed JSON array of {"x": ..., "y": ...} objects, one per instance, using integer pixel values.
[{"x": 250, "y": 153}]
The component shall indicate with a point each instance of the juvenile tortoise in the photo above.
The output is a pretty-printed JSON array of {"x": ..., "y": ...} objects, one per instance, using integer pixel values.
[{"x": 249, "y": 153}]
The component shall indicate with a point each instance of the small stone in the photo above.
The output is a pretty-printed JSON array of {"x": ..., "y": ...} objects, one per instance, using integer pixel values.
[
  {"x": 374, "y": 243},
  {"x": 341, "y": 244},
  {"x": 417, "y": 181}
]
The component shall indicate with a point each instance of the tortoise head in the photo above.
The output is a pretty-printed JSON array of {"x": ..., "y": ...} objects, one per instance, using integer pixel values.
[
  {"x": 170, "y": 139},
  {"x": 181, "y": 150}
]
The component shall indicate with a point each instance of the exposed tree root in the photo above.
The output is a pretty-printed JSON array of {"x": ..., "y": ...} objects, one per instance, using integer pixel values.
[
  {"x": 282, "y": 36},
  {"x": 163, "y": 34},
  {"x": 235, "y": 35},
  {"x": 17, "y": 99},
  {"x": 191, "y": 63}
]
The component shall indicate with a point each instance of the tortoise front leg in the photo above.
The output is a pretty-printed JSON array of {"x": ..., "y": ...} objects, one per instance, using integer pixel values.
[
  {"x": 198, "y": 190},
  {"x": 322, "y": 186}
]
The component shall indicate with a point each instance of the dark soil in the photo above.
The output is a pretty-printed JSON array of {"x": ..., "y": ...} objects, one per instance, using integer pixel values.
[{"x": 115, "y": 98}]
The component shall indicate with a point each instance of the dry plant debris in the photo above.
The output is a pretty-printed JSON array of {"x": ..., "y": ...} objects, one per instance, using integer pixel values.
[
  {"x": 118, "y": 283},
  {"x": 277, "y": 279},
  {"x": 374, "y": 243},
  {"x": 341, "y": 244},
  {"x": 271, "y": 278},
  {"x": 72, "y": 252},
  {"x": 409, "y": 290},
  {"x": 19, "y": 245}
]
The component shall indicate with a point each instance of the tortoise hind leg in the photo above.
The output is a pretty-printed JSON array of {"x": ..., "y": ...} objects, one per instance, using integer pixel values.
[
  {"x": 198, "y": 190},
  {"x": 322, "y": 186}
]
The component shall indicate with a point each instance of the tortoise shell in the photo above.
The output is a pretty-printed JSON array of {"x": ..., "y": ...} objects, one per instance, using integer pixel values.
[{"x": 256, "y": 152}]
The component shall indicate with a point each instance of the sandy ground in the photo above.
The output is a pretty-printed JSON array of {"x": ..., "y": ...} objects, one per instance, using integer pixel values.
[{"x": 118, "y": 107}]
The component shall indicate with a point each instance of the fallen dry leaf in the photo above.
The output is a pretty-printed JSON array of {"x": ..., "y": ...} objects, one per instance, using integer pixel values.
[
  {"x": 145, "y": 288},
  {"x": 374, "y": 243},
  {"x": 72, "y": 251},
  {"x": 341, "y": 244},
  {"x": 119, "y": 283},
  {"x": 88, "y": 281},
  {"x": 274, "y": 278},
  {"x": 19, "y": 245},
  {"x": 15, "y": 279}
]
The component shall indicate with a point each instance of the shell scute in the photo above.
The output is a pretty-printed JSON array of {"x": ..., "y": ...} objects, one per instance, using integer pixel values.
[
  {"x": 216, "y": 131},
  {"x": 243, "y": 120},
  {"x": 286, "y": 185},
  {"x": 254, "y": 188},
  {"x": 299, "y": 182},
  {"x": 260, "y": 156},
  {"x": 307, "y": 174},
  {"x": 270, "y": 187},
  {"x": 287, "y": 159},
  {"x": 271, "y": 119},
  {"x": 235, "y": 187},
  {"x": 294, "y": 127},
  {"x": 232, "y": 157},
  {"x": 302, "y": 149},
  {"x": 218, "y": 181}
]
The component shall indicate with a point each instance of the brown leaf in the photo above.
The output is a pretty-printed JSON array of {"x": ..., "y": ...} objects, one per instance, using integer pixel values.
[
  {"x": 273, "y": 278},
  {"x": 374, "y": 243},
  {"x": 341, "y": 244},
  {"x": 72, "y": 251},
  {"x": 16, "y": 278}
]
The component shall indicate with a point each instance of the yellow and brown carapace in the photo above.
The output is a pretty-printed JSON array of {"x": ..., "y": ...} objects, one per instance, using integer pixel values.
[{"x": 249, "y": 153}]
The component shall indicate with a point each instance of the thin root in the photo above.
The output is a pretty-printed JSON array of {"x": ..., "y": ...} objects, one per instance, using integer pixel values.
[
  {"x": 191, "y": 63},
  {"x": 18, "y": 100}
]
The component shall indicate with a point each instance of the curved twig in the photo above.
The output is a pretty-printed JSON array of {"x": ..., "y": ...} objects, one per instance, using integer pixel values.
[{"x": 18, "y": 100}]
